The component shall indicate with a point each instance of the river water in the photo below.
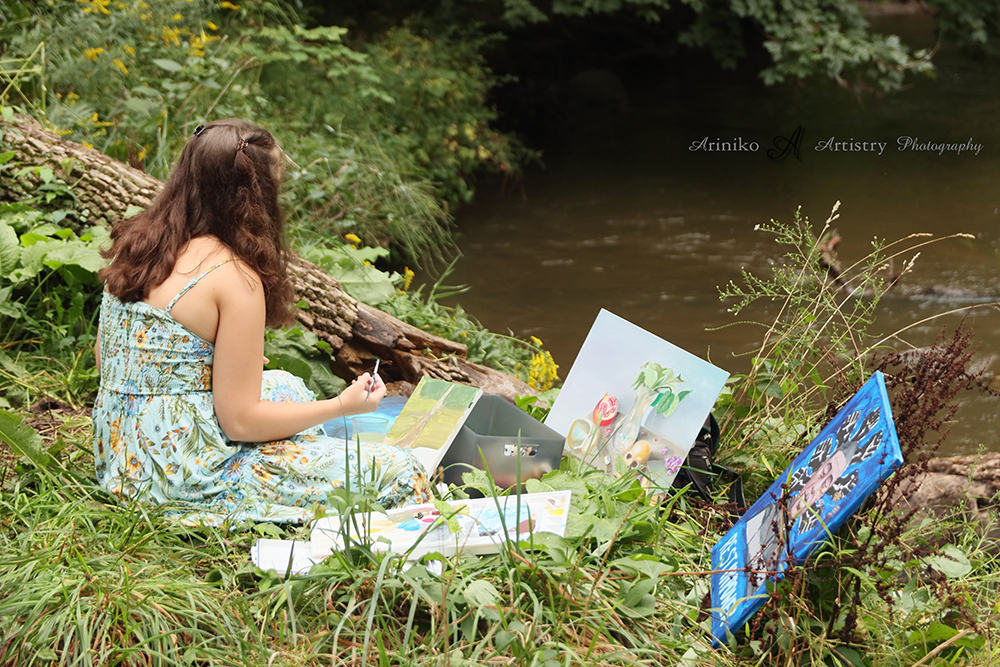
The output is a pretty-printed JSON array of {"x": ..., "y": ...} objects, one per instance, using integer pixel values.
[{"x": 626, "y": 216}]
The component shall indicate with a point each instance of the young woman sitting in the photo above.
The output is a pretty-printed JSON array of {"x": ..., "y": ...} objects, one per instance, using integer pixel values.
[{"x": 186, "y": 414}]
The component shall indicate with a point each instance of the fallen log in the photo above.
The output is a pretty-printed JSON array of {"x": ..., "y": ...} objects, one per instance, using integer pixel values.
[{"x": 107, "y": 188}]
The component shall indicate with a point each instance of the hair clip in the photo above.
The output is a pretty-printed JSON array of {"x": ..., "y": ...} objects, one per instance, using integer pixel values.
[
  {"x": 242, "y": 145},
  {"x": 200, "y": 130}
]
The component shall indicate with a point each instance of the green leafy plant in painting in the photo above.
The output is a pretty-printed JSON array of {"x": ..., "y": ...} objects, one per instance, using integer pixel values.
[{"x": 663, "y": 382}]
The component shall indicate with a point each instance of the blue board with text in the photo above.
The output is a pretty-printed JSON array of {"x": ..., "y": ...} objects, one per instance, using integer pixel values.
[{"x": 823, "y": 486}]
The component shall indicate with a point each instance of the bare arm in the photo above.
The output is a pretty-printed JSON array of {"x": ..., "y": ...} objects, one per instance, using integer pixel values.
[{"x": 237, "y": 372}]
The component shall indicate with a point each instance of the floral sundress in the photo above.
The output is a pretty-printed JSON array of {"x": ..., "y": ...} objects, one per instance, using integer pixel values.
[{"x": 157, "y": 439}]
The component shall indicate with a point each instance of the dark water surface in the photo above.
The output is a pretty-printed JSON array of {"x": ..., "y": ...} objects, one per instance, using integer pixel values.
[{"x": 626, "y": 217}]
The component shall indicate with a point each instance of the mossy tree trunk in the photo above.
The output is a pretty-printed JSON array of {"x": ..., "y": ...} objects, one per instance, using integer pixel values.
[{"x": 106, "y": 188}]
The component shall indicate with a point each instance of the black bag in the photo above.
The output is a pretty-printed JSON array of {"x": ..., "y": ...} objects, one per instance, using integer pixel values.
[{"x": 700, "y": 471}]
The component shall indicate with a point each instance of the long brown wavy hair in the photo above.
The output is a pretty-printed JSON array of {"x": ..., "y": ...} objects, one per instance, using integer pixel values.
[{"x": 226, "y": 184}]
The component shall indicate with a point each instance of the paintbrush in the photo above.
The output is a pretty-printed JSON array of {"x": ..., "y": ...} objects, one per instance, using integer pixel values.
[{"x": 372, "y": 382}]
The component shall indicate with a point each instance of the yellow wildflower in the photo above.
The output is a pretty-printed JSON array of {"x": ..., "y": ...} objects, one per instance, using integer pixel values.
[
  {"x": 87, "y": 144},
  {"x": 353, "y": 238},
  {"x": 97, "y": 121},
  {"x": 171, "y": 35},
  {"x": 71, "y": 96},
  {"x": 95, "y": 6},
  {"x": 198, "y": 43},
  {"x": 128, "y": 49},
  {"x": 91, "y": 54},
  {"x": 407, "y": 278},
  {"x": 177, "y": 17},
  {"x": 120, "y": 65},
  {"x": 542, "y": 371},
  {"x": 225, "y": 4},
  {"x": 211, "y": 26},
  {"x": 536, "y": 341}
]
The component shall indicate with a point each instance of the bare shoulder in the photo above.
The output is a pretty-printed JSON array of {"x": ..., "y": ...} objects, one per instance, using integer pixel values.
[{"x": 237, "y": 277}]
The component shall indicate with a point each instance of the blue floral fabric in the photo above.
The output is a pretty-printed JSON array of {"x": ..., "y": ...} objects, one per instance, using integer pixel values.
[{"x": 156, "y": 437}]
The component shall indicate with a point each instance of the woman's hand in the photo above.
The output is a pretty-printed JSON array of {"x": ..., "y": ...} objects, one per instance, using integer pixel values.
[{"x": 353, "y": 398}]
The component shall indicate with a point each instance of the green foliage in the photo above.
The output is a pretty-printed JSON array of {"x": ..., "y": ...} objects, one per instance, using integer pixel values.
[
  {"x": 503, "y": 352},
  {"x": 49, "y": 293},
  {"x": 354, "y": 269},
  {"x": 808, "y": 38},
  {"x": 304, "y": 355},
  {"x": 537, "y": 406},
  {"x": 818, "y": 340},
  {"x": 969, "y": 23},
  {"x": 22, "y": 440},
  {"x": 85, "y": 577},
  {"x": 352, "y": 186},
  {"x": 391, "y": 132},
  {"x": 448, "y": 81},
  {"x": 802, "y": 38},
  {"x": 86, "y": 581}
]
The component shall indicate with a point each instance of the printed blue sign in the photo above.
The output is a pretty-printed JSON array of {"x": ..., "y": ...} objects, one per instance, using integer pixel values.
[{"x": 823, "y": 486}]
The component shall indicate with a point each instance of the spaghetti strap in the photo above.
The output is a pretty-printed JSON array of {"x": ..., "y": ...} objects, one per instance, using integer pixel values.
[{"x": 194, "y": 281}]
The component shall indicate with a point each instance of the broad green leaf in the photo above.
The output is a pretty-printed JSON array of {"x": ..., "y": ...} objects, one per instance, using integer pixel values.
[
  {"x": 451, "y": 515},
  {"x": 23, "y": 440},
  {"x": 481, "y": 593},
  {"x": 139, "y": 105},
  {"x": 55, "y": 254},
  {"x": 770, "y": 388},
  {"x": 353, "y": 268},
  {"x": 932, "y": 635},
  {"x": 40, "y": 233},
  {"x": 643, "y": 564},
  {"x": 595, "y": 526},
  {"x": 637, "y": 599},
  {"x": 169, "y": 65},
  {"x": 8, "y": 308},
  {"x": 289, "y": 362},
  {"x": 951, "y": 562},
  {"x": 10, "y": 250}
]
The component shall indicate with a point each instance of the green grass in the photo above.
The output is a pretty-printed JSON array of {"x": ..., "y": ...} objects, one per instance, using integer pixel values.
[{"x": 87, "y": 581}]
